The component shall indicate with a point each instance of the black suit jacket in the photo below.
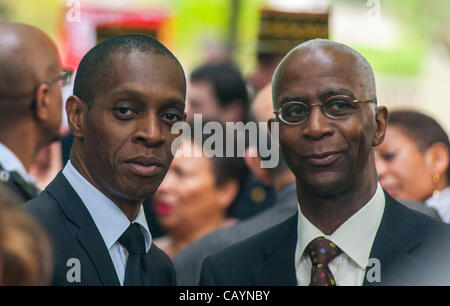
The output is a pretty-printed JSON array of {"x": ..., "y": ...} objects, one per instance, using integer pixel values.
[
  {"x": 75, "y": 235},
  {"x": 412, "y": 249}
]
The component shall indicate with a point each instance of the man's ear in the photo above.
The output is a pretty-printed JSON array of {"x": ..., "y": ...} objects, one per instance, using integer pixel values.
[
  {"x": 43, "y": 102},
  {"x": 76, "y": 110},
  {"x": 381, "y": 119}
]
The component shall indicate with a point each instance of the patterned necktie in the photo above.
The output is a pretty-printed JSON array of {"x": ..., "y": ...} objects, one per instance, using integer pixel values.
[
  {"x": 133, "y": 240},
  {"x": 322, "y": 251}
]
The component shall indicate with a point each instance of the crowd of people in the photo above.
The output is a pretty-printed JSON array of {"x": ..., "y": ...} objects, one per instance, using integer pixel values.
[{"x": 112, "y": 200}]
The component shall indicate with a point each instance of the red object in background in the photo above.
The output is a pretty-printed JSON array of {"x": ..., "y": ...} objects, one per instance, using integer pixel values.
[{"x": 95, "y": 25}]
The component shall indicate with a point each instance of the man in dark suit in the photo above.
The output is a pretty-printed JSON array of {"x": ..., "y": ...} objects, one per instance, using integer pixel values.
[
  {"x": 347, "y": 231},
  {"x": 30, "y": 103},
  {"x": 128, "y": 92}
]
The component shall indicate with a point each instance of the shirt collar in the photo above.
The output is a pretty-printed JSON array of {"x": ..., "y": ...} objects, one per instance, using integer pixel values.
[
  {"x": 354, "y": 237},
  {"x": 10, "y": 162},
  {"x": 440, "y": 202},
  {"x": 107, "y": 216}
]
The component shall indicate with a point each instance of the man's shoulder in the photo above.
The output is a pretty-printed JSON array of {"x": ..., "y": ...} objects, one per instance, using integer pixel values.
[
  {"x": 227, "y": 236},
  {"x": 162, "y": 265},
  {"x": 253, "y": 245},
  {"x": 237, "y": 264},
  {"x": 424, "y": 223},
  {"x": 44, "y": 205}
]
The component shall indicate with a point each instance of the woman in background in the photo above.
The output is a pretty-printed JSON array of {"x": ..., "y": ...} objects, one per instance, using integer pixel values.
[
  {"x": 197, "y": 194},
  {"x": 413, "y": 161}
]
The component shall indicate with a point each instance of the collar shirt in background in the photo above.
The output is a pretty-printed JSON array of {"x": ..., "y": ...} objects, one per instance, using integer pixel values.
[
  {"x": 441, "y": 203},
  {"x": 10, "y": 163}
]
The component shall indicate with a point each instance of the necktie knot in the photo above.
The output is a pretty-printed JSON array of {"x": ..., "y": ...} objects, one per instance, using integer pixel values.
[
  {"x": 133, "y": 240},
  {"x": 322, "y": 251}
]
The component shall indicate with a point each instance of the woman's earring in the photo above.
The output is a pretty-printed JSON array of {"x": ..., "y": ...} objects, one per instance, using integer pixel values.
[{"x": 436, "y": 179}]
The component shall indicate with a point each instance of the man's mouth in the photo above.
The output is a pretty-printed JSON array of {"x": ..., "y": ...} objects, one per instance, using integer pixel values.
[
  {"x": 322, "y": 159},
  {"x": 145, "y": 166}
]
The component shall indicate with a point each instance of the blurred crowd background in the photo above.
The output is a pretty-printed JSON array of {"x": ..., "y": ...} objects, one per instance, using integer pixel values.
[
  {"x": 406, "y": 41},
  {"x": 229, "y": 49}
]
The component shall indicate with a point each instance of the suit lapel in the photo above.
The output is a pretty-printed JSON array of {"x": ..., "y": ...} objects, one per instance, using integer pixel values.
[
  {"x": 278, "y": 267},
  {"x": 88, "y": 234},
  {"x": 397, "y": 235}
]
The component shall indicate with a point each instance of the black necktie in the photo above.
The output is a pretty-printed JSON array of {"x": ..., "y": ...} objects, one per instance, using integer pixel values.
[{"x": 133, "y": 240}]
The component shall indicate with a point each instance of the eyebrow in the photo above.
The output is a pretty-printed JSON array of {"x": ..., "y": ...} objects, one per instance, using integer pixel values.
[
  {"x": 172, "y": 101},
  {"x": 290, "y": 98},
  {"x": 175, "y": 102},
  {"x": 328, "y": 92}
]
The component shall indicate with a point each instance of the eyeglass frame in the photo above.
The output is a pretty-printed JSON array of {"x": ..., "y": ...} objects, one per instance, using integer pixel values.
[
  {"x": 277, "y": 113},
  {"x": 65, "y": 75}
]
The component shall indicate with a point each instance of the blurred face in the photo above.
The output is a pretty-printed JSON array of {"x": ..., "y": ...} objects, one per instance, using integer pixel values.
[
  {"x": 188, "y": 197},
  {"x": 201, "y": 100},
  {"x": 55, "y": 96},
  {"x": 402, "y": 168},
  {"x": 126, "y": 136},
  {"x": 326, "y": 155}
]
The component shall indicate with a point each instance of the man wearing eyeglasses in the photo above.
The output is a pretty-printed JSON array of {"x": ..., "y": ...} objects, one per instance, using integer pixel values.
[
  {"x": 348, "y": 230},
  {"x": 30, "y": 103}
]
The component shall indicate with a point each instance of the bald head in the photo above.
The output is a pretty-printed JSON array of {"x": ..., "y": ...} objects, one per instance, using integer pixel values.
[
  {"x": 27, "y": 58},
  {"x": 322, "y": 53}
]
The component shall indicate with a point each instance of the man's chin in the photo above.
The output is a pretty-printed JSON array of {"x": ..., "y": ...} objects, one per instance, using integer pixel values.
[{"x": 327, "y": 189}]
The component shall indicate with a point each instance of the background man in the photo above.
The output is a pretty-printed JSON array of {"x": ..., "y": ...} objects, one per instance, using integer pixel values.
[
  {"x": 128, "y": 92},
  {"x": 218, "y": 92},
  {"x": 325, "y": 100},
  {"x": 30, "y": 103}
]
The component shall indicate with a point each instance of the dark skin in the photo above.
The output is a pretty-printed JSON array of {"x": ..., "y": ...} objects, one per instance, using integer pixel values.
[
  {"x": 28, "y": 58},
  {"x": 333, "y": 160},
  {"x": 123, "y": 141}
]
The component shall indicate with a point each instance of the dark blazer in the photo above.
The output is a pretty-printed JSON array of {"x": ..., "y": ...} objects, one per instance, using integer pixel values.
[
  {"x": 188, "y": 263},
  {"x": 75, "y": 235},
  {"x": 412, "y": 249}
]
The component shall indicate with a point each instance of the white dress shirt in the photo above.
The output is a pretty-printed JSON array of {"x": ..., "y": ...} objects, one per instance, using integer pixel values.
[
  {"x": 441, "y": 203},
  {"x": 109, "y": 219},
  {"x": 10, "y": 162},
  {"x": 354, "y": 237}
]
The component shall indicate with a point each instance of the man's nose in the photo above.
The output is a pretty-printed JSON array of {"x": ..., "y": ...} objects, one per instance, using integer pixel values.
[
  {"x": 317, "y": 126},
  {"x": 149, "y": 130}
]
